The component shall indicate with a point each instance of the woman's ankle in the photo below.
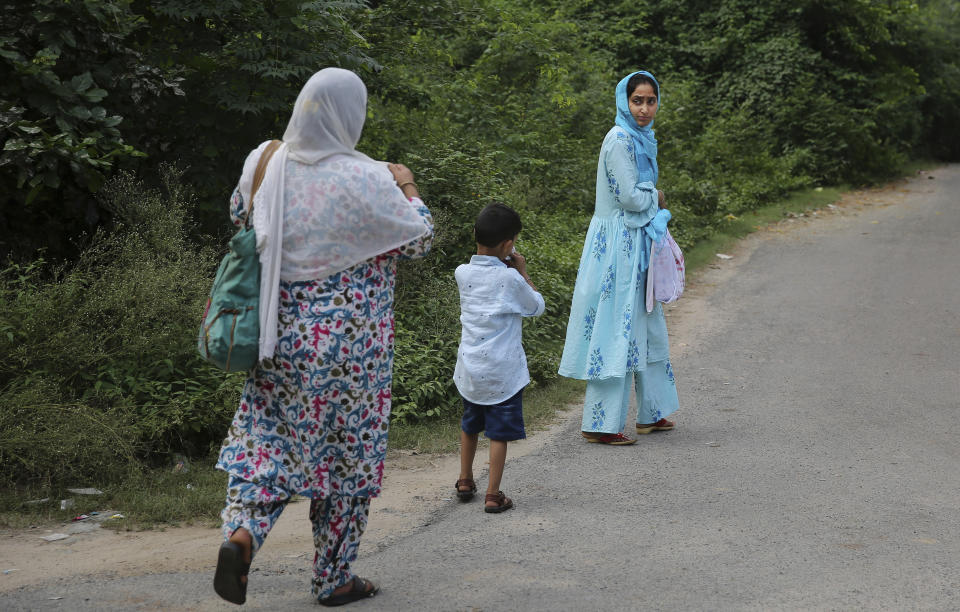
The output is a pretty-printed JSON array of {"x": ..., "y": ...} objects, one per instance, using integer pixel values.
[{"x": 244, "y": 538}]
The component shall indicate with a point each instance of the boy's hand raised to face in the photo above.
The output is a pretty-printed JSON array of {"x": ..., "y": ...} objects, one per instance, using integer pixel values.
[{"x": 519, "y": 263}]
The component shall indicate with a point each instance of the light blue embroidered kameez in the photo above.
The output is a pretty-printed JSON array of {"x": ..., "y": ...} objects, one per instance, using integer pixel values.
[{"x": 610, "y": 336}]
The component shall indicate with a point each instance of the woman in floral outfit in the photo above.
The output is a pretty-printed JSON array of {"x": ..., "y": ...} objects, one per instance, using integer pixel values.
[{"x": 331, "y": 226}]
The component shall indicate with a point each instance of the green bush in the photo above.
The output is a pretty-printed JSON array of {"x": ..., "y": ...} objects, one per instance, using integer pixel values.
[
  {"x": 101, "y": 363},
  {"x": 90, "y": 87}
]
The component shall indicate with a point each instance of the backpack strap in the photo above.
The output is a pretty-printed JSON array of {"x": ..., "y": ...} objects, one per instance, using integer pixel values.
[{"x": 258, "y": 175}]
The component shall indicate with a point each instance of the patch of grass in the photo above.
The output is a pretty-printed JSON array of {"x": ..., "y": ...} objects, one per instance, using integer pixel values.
[
  {"x": 146, "y": 499},
  {"x": 540, "y": 405},
  {"x": 160, "y": 497},
  {"x": 433, "y": 436},
  {"x": 915, "y": 165}
]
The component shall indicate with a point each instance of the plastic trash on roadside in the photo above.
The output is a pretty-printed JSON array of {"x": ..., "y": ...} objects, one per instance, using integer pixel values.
[
  {"x": 53, "y": 537},
  {"x": 180, "y": 464}
]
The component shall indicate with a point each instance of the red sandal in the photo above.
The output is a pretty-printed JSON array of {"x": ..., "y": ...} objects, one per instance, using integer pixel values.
[{"x": 617, "y": 439}]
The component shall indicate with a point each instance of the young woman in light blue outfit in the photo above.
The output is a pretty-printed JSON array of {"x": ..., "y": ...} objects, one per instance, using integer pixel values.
[{"x": 612, "y": 342}]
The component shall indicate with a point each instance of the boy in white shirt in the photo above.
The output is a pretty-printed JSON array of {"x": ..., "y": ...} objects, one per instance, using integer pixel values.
[{"x": 491, "y": 371}]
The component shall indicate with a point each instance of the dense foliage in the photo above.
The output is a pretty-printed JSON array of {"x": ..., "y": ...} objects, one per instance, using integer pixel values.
[
  {"x": 99, "y": 366},
  {"x": 489, "y": 99},
  {"x": 88, "y": 87}
]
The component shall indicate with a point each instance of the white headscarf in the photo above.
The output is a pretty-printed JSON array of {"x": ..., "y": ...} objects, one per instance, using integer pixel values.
[{"x": 357, "y": 214}]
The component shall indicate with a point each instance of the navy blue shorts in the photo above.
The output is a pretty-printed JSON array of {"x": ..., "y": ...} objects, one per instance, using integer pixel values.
[{"x": 502, "y": 422}]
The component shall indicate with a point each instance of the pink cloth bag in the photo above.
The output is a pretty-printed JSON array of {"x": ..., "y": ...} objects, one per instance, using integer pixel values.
[{"x": 665, "y": 276}]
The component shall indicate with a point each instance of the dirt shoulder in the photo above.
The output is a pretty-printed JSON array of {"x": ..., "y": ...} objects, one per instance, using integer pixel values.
[{"x": 416, "y": 486}]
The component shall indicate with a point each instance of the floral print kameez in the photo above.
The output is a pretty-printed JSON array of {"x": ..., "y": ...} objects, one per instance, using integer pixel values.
[{"x": 313, "y": 419}]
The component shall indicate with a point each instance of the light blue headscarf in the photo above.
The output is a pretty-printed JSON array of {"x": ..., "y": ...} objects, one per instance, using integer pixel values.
[{"x": 643, "y": 137}]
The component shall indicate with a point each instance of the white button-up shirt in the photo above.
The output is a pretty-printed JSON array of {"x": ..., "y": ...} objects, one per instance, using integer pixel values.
[{"x": 491, "y": 364}]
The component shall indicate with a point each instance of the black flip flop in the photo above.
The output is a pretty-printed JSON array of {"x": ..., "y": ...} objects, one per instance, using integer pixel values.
[
  {"x": 358, "y": 591},
  {"x": 230, "y": 569}
]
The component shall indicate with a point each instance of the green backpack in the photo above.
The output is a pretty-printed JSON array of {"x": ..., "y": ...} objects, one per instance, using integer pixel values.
[{"x": 230, "y": 331}]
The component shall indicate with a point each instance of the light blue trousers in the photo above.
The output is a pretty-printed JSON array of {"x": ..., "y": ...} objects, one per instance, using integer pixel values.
[{"x": 607, "y": 401}]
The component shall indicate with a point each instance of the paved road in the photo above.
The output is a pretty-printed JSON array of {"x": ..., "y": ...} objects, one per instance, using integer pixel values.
[{"x": 816, "y": 464}]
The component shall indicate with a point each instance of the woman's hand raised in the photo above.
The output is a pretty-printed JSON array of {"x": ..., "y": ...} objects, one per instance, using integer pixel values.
[
  {"x": 661, "y": 199},
  {"x": 404, "y": 178}
]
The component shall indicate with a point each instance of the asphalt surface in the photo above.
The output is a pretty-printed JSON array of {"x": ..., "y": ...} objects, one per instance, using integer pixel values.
[{"x": 815, "y": 465}]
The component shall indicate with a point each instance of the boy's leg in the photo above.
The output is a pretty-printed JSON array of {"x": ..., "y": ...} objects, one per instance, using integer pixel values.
[
  {"x": 338, "y": 525},
  {"x": 472, "y": 423},
  {"x": 468, "y": 450},
  {"x": 504, "y": 424},
  {"x": 656, "y": 393},
  {"x": 498, "y": 457}
]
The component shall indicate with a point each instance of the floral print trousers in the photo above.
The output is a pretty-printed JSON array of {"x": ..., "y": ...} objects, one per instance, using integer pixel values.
[
  {"x": 607, "y": 401},
  {"x": 338, "y": 524}
]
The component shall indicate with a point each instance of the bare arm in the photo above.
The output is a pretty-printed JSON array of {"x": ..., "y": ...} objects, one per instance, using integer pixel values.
[{"x": 404, "y": 178}]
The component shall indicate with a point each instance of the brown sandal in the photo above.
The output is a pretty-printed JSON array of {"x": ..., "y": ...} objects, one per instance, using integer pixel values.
[
  {"x": 503, "y": 502},
  {"x": 465, "y": 495}
]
